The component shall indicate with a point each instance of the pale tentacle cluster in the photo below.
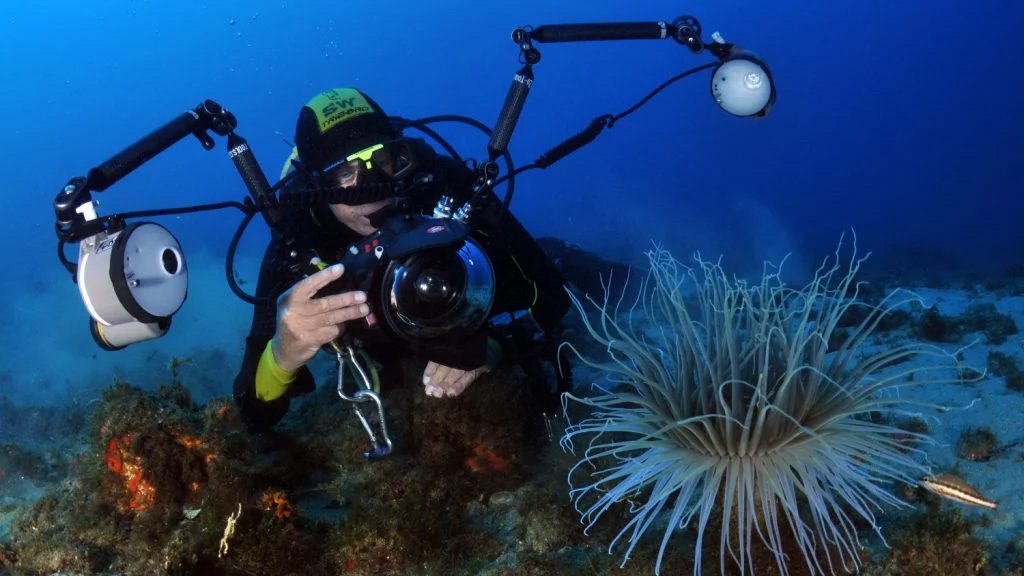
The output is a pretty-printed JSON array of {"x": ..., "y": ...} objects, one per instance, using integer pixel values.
[{"x": 731, "y": 404}]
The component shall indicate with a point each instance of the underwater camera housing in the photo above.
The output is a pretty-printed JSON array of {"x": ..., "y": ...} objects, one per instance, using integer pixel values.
[{"x": 425, "y": 277}]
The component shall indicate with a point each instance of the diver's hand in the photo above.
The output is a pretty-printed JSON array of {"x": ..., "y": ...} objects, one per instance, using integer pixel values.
[
  {"x": 441, "y": 380},
  {"x": 305, "y": 323}
]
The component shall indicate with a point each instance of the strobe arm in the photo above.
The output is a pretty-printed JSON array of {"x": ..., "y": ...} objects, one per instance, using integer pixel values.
[
  {"x": 207, "y": 116},
  {"x": 604, "y": 31},
  {"x": 685, "y": 30}
]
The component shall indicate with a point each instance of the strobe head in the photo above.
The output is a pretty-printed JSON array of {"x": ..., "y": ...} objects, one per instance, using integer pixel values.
[
  {"x": 438, "y": 293},
  {"x": 132, "y": 282},
  {"x": 117, "y": 336},
  {"x": 742, "y": 84}
]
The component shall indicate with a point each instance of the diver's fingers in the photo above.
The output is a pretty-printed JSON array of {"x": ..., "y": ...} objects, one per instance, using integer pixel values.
[
  {"x": 465, "y": 380},
  {"x": 433, "y": 379},
  {"x": 325, "y": 334},
  {"x": 428, "y": 374},
  {"x": 440, "y": 377},
  {"x": 308, "y": 287},
  {"x": 429, "y": 371},
  {"x": 460, "y": 383},
  {"x": 341, "y": 315},
  {"x": 333, "y": 302}
]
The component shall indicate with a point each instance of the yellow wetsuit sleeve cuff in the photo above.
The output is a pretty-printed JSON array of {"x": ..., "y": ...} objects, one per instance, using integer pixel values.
[{"x": 272, "y": 381}]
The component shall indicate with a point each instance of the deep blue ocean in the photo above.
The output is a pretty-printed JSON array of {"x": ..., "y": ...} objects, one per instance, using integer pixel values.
[
  {"x": 903, "y": 121},
  {"x": 899, "y": 120}
]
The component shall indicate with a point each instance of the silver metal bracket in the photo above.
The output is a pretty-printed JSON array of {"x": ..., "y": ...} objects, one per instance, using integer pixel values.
[{"x": 381, "y": 444}]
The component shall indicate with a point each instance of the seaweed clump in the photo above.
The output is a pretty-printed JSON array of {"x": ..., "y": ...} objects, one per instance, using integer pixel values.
[
  {"x": 149, "y": 490},
  {"x": 980, "y": 317},
  {"x": 861, "y": 311},
  {"x": 1004, "y": 365},
  {"x": 417, "y": 510},
  {"x": 17, "y": 462},
  {"x": 983, "y": 317},
  {"x": 977, "y": 444},
  {"x": 937, "y": 327},
  {"x": 1014, "y": 557},
  {"x": 7, "y": 556},
  {"x": 167, "y": 486},
  {"x": 933, "y": 542}
]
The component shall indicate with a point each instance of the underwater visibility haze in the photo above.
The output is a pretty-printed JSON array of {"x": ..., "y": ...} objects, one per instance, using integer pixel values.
[{"x": 794, "y": 282}]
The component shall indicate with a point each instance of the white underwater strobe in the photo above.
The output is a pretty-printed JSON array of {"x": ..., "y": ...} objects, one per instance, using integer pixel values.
[
  {"x": 741, "y": 86},
  {"x": 132, "y": 281}
]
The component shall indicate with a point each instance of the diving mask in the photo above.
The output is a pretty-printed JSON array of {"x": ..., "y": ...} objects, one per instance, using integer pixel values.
[
  {"x": 392, "y": 160},
  {"x": 369, "y": 174}
]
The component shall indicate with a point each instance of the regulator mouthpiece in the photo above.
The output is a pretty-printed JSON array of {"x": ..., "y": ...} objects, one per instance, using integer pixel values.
[
  {"x": 132, "y": 281},
  {"x": 743, "y": 86}
]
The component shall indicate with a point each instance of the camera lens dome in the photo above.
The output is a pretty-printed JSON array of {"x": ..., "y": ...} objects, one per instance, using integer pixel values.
[
  {"x": 434, "y": 286},
  {"x": 430, "y": 284},
  {"x": 438, "y": 292}
]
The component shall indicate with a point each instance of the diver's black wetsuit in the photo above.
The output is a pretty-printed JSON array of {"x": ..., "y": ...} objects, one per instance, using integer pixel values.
[{"x": 526, "y": 279}]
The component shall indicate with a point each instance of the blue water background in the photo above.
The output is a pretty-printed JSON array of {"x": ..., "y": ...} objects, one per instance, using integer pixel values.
[{"x": 899, "y": 119}]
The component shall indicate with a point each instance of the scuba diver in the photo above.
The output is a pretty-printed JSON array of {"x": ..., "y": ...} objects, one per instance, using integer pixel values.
[
  {"x": 434, "y": 262},
  {"x": 345, "y": 142}
]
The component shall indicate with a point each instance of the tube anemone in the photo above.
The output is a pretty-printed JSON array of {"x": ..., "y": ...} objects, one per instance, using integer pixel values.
[{"x": 731, "y": 405}]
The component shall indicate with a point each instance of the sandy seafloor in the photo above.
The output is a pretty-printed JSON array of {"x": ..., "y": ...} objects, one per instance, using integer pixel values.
[{"x": 984, "y": 402}]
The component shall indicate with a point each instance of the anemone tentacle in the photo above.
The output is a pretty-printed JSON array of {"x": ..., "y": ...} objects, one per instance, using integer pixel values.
[{"x": 731, "y": 405}]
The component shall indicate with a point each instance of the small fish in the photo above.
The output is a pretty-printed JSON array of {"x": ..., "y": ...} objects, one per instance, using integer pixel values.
[{"x": 954, "y": 488}]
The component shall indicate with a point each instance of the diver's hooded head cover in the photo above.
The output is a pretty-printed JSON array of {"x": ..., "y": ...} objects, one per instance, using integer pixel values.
[{"x": 338, "y": 122}]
